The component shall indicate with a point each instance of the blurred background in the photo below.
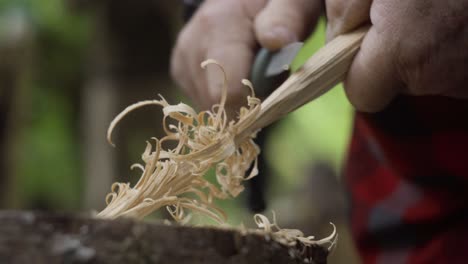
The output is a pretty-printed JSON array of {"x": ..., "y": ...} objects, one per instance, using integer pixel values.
[{"x": 67, "y": 67}]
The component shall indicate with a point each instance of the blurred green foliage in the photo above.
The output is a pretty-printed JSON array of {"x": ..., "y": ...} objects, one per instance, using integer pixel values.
[
  {"x": 48, "y": 166},
  {"x": 318, "y": 131},
  {"x": 49, "y": 171}
]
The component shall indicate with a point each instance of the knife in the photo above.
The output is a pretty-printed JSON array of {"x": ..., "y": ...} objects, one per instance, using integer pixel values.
[{"x": 271, "y": 68}]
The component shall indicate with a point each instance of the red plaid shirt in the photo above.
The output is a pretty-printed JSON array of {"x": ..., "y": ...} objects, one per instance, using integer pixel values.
[{"x": 407, "y": 173}]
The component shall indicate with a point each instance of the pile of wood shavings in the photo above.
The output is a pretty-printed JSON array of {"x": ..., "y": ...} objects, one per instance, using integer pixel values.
[
  {"x": 290, "y": 237},
  {"x": 204, "y": 140}
]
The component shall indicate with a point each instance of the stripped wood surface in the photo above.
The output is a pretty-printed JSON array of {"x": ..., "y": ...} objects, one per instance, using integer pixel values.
[{"x": 325, "y": 69}]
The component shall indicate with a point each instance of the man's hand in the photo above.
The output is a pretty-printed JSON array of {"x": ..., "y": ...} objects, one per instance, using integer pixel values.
[
  {"x": 417, "y": 47},
  {"x": 230, "y": 31}
]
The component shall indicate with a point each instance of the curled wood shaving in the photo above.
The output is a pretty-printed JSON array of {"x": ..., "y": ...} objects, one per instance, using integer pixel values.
[
  {"x": 170, "y": 176},
  {"x": 290, "y": 237}
]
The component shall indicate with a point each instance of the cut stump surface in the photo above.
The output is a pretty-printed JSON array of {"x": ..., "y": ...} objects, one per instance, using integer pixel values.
[{"x": 32, "y": 237}]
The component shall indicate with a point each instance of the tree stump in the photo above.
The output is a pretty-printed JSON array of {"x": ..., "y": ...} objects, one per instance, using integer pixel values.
[{"x": 32, "y": 237}]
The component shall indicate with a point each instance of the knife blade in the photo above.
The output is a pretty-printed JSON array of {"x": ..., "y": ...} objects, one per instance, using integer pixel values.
[{"x": 271, "y": 68}]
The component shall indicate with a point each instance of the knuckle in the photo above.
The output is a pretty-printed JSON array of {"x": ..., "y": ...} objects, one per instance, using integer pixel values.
[
  {"x": 184, "y": 37},
  {"x": 187, "y": 46},
  {"x": 282, "y": 12},
  {"x": 252, "y": 7},
  {"x": 178, "y": 68},
  {"x": 208, "y": 18},
  {"x": 176, "y": 62},
  {"x": 174, "y": 67},
  {"x": 335, "y": 8}
]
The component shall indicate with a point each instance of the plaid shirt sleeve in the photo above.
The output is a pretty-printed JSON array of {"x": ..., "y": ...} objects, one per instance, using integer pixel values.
[{"x": 407, "y": 174}]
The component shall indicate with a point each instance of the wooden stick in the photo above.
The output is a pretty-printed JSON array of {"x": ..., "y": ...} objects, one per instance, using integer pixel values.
[{"x": 325, "y": 69}]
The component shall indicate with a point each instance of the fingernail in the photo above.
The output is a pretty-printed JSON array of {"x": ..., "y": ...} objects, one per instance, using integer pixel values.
[{"x": 280, "y": 36}]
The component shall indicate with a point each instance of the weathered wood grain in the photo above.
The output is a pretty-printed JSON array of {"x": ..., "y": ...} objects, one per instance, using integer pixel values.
[{"x": 29, "y": 237}]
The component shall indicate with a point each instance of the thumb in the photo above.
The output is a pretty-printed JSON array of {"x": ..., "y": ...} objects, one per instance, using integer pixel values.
[
  {"x": 345, "y": 15},
  {"x": 372, "y": 82},
  {"x": 283, "y": 21}
]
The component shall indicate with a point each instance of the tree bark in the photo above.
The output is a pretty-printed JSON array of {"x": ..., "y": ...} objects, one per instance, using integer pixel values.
[{"x": 31, "y": 237}]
